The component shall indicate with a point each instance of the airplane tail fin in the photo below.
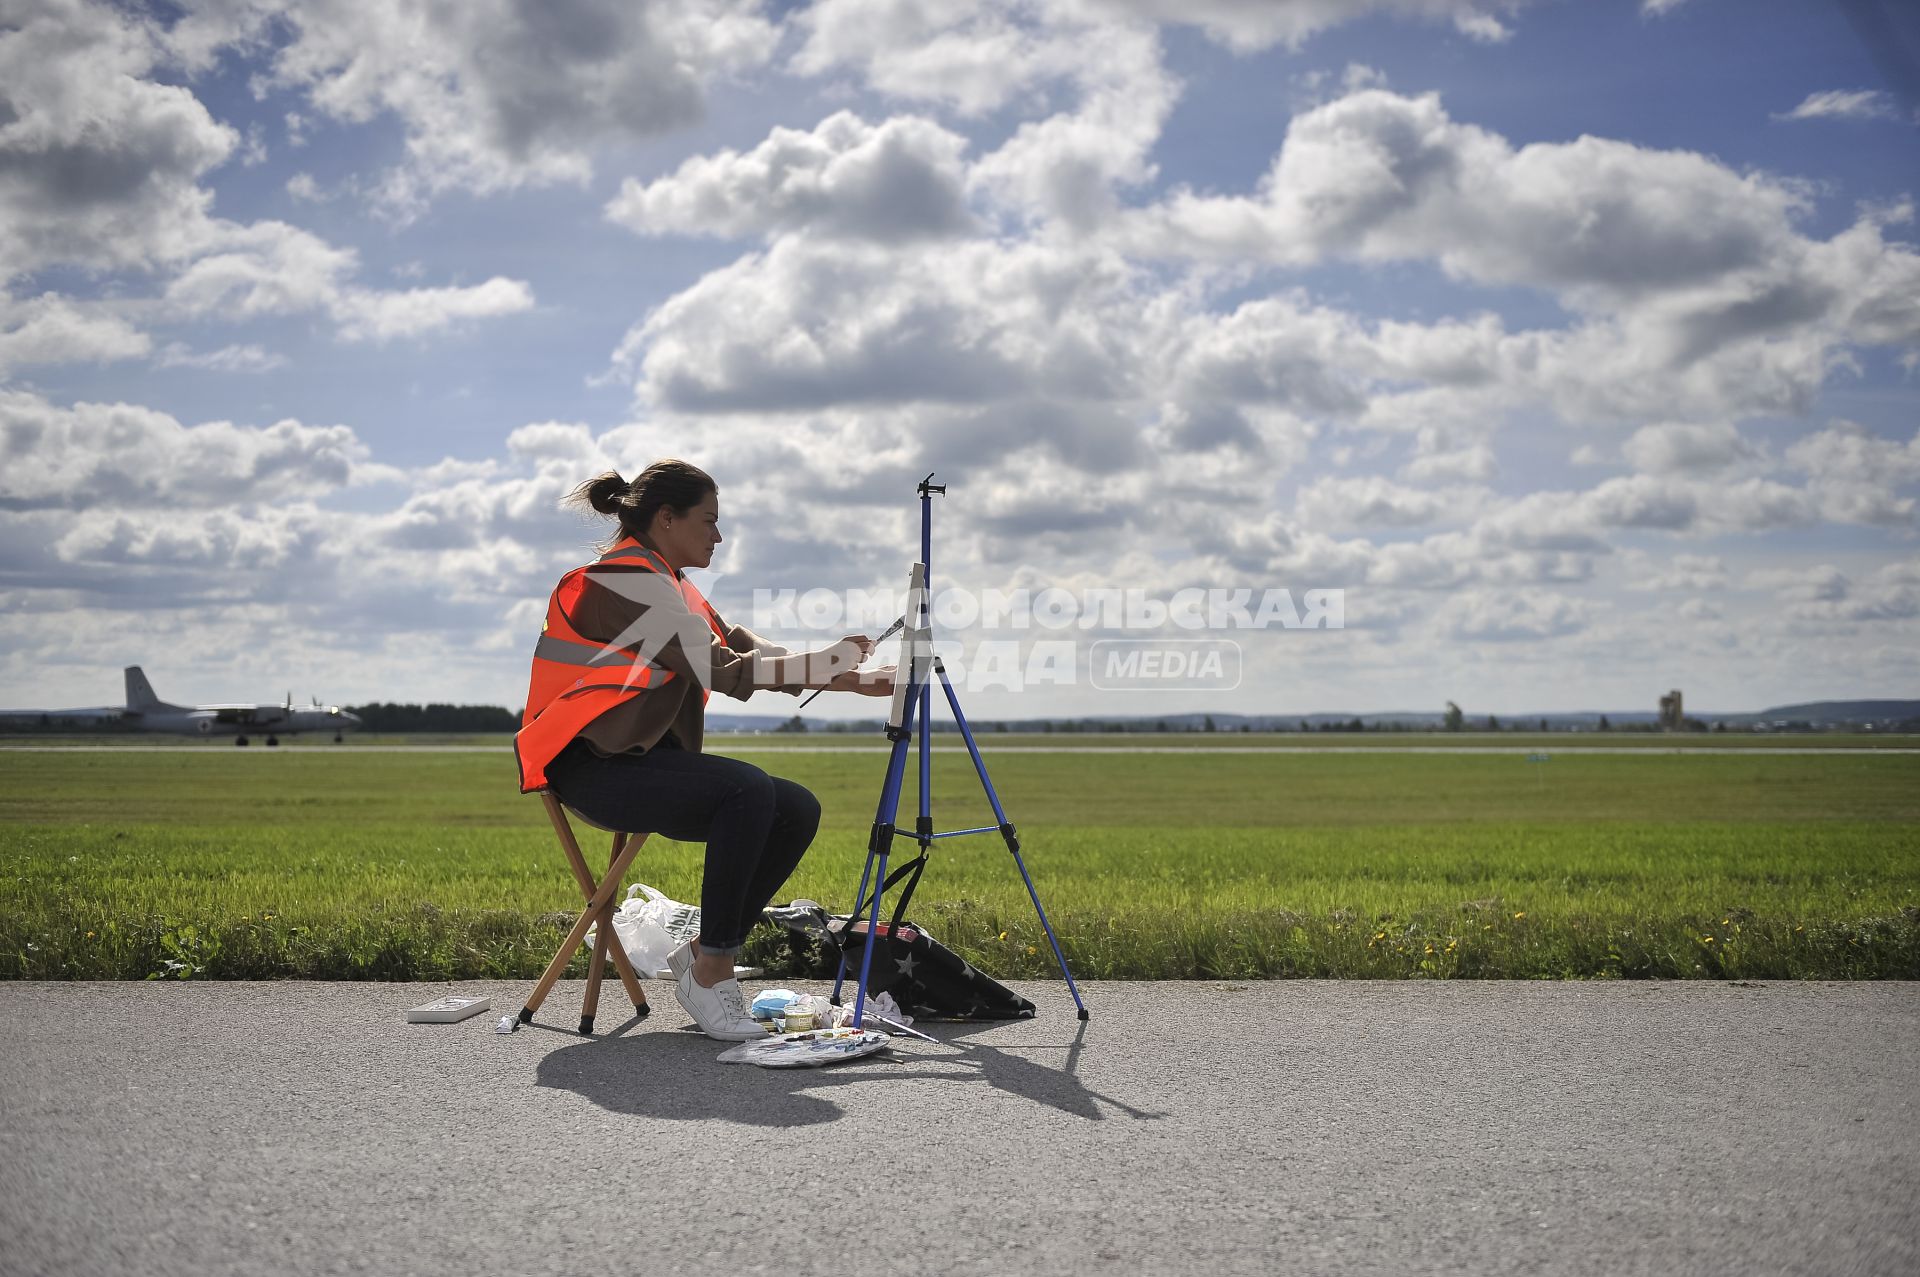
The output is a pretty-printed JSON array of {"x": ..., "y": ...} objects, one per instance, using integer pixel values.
[{"x": 139, "y": 691}]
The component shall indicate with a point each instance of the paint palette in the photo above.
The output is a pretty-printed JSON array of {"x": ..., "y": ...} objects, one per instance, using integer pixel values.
[{"x": 807, "y": 1050}]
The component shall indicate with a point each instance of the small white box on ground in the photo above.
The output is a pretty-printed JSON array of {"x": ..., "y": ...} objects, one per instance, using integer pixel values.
[{"x": 447, "y": 1010}]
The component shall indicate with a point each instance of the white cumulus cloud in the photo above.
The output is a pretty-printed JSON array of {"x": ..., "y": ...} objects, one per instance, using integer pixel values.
[
  {"x": 900, "y": 180},
  {"x": 99, "y": 163},
  {"x": 973, "y": 56},
  {"x": 1250, "y": 25},
  {"x": 1346, "y": 504},
  {"x": 92, "y": 455},
  {"x": 52, "y": 329},
  {"x": 1492, "y": 615},
  {"x": 1675, "y": 447},
  {"x": 271, "y": 268},
  {"x": 495, "y": 94},
  {"x": 1844, "y": 104},
  {"x": 1858, "y": 476},
  {"x": 247, "y": 357}
]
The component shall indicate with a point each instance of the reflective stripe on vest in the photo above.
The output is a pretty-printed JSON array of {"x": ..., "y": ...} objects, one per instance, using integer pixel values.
[{"x": 575, "y": 679}]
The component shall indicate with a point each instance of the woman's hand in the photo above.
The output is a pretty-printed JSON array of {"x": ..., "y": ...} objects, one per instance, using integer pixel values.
[
  {"x": 866, "y": 682},
  {"x": 846, "y": 654}
]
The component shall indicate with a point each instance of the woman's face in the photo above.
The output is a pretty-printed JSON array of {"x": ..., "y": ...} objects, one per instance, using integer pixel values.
[{"x": 687, "y": 540}]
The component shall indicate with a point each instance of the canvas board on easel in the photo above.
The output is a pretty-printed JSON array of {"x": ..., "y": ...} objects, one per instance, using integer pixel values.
[{"x": 916, "y": 646}]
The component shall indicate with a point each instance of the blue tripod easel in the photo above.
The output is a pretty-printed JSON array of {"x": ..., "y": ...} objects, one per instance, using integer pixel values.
[{"x": 912, "y": 705}]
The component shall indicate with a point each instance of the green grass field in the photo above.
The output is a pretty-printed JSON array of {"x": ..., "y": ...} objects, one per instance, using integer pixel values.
[{"x": 325, "y": 862}]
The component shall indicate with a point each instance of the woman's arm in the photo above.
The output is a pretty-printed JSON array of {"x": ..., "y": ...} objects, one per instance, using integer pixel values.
[
  {"x": 742, "y": 639},
  {"x": 643, "y": 613},
  {"x": 834, "y": 668}
]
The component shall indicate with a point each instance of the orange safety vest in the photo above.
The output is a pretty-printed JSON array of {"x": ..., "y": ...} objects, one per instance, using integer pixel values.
[{"x": 575, "y": 679}]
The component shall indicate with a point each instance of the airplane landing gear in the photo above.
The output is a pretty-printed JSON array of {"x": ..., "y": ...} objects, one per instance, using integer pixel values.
[
  {"x": 239, "y": 740},
  {"x": 338, "y": 739},
  {"x": 272, "y": 741}
]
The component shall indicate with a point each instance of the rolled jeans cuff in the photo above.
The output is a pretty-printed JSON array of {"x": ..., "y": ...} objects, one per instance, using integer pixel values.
[{"x": 724, "y": 950}]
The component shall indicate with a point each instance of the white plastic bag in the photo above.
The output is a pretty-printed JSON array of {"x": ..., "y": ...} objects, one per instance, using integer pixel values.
[
  {"x": 882, "y": 1010},
  {"x": 650, "y": 926}
]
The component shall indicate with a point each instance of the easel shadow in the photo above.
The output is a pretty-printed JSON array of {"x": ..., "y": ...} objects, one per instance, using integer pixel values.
[
  {"x": 1006, "y": 1068},
  {"x": 672, "y": 1075}
]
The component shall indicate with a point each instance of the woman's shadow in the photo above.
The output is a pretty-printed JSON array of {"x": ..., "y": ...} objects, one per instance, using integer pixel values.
[{"x": 671, "y": 1074}]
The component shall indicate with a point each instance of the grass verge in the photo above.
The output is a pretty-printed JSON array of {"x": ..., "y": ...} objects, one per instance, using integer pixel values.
[{"x": 336, "y": 865}]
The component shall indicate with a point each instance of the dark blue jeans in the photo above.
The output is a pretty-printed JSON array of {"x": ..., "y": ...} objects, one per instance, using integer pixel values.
[{"x": 756, "y": 827}]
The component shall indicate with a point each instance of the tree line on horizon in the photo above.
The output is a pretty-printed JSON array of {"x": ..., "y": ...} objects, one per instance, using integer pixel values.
[{"x": 386, "y": 716}]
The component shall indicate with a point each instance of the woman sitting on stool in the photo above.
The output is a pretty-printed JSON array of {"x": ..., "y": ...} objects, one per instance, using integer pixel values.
[{"x": 616, "y": 715}]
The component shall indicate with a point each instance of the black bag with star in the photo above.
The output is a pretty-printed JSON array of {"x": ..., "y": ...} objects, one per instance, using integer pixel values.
[{"x": 927, "y": 979}]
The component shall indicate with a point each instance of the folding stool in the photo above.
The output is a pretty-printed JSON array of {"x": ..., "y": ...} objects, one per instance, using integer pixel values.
[{"x": 599, "y": 910}]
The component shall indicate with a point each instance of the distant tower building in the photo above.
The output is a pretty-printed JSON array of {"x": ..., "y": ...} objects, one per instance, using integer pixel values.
[{"x": 1672, "y": 717}]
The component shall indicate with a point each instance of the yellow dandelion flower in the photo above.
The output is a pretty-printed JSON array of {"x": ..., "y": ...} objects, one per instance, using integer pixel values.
[
  {"x": 1799, "y": 928},
  {"x": 1521, "y": 914},
  {"x": 89, "y": 935},
  {"x": 1488, "y": 927},
  {"x": 1706, "y": 939},
  {"x": 1003, "y": 935},
  {"x": 1031, "y": 950}
]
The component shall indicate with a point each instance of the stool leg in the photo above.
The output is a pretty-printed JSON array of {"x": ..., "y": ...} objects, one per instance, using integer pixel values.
[
  {"x": 630, "y": 978},
  {"x": 563, "y": 829},
  {"x": 590, "y": 1003},
  {"x": 597, "y": 903},
  {"x": 618, "y": 953},
  {"x": 621, "y": 963},
  {"x": 604, "y": 938}
]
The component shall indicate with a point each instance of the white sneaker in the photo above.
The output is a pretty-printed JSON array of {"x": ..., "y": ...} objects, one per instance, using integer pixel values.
[
  {"x": 680, "y": 960},
  {"x": 721, "y": 1012}
]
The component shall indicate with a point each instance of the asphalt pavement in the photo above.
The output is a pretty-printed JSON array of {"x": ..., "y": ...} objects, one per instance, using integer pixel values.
[{"x": 1291, "y": 1127}]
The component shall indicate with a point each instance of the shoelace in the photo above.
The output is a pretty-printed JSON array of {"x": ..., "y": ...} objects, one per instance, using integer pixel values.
[{"x": 735, "y": 1000}]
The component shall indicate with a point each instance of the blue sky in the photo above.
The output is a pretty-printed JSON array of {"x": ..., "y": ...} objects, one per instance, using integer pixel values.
[{"x": 1574, "y": 341}]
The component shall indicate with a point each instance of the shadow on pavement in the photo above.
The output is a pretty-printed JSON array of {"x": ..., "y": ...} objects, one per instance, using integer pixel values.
[{"x": 671, "y": 1075}]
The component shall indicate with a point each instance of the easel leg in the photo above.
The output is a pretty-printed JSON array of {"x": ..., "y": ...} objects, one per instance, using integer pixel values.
[
  {"x": 1007, "y": 832},
  {"x": 878, "y": 846},
  {"x": 866, "y": 878}
]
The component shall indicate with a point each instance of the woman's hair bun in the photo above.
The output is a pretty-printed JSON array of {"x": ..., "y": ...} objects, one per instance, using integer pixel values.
[
  {"x": 669, "y": 484},
  {"x": 605, "y": 491}
]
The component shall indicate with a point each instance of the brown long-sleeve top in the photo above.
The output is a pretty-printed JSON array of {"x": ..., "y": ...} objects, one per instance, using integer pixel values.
[{"x": 737, "y": 668}]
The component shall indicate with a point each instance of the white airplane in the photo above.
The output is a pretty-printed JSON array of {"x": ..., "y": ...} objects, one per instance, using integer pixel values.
[
  {"x": 151, "y": 714},
  {"x": 148, "y": 713}
]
